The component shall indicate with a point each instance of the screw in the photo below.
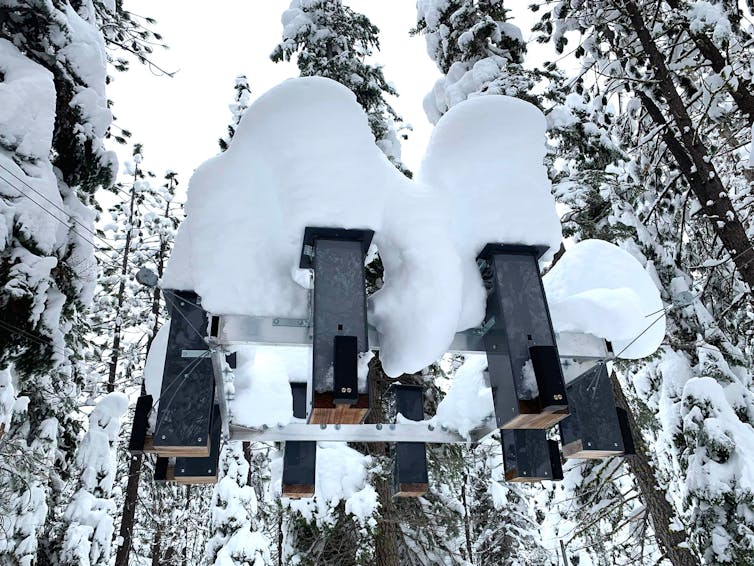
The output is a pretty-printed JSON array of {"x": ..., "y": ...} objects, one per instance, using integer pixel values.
[
  {"x": 323, "y": 426},
  {"x": 183, "y": 470},
  {"x": 337, "y": 427},
  {"x": 615, "y": 444},
  {"x": 378, "y": 426},
  {"x": 276, "y": 321},
  {"x": 183, "y": 304},
  {"x": 163, "y": 437},
  {"x": 199, "y": 439},
  {"x": 494, "y": 346},
  {"x": 209, "y": 471},
  {"x": 430, "y": 427},
  {"x": 392, "y": 427}
]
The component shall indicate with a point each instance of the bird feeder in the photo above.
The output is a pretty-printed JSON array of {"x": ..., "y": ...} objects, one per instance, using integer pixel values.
[
  {"x": 299, "y": 457},
  {"x": 410, "y": 476},
  {"x": 528, "y": 456},
  {"x": 202, "y": 470},
  {"x": 184, "y": 417},
  {"x": 339, "y": 322},
  {"x": 593, "y": 429},
  {"x": 524, "y": 366}
]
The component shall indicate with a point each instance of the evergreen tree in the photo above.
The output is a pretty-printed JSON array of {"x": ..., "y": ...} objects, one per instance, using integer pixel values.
[
  {"x": 237, "y": 109},
  {"x": 89, "y": 514},
  {"x": 331, "y": 40},
  {"x": 477, "y": 50},
  {"x": 235, "y": 530},
  {"x": 674, "y": 200}
]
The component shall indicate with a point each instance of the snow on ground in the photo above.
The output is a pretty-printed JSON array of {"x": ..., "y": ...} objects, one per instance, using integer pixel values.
[
  {"x": 600, "y": 289},
  {"x": 304, "y": 155}
]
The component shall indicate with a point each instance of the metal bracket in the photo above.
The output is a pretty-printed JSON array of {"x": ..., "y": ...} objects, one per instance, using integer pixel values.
[{"x": 193, "y": 353}]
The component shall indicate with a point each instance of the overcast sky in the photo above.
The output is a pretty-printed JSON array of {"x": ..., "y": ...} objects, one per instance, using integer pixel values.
[{"x": 179, "y": 119}]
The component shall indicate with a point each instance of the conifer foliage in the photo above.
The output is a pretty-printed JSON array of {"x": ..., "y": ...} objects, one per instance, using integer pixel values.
[
  {"x": 477, "y": 50},
  {"x": 330, "y": 40}
]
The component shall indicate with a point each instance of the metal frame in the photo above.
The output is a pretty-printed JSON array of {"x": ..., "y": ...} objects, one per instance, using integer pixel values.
[{"x": 577, "y": 351}]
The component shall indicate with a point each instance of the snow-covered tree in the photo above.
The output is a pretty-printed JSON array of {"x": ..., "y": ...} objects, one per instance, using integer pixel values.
[
  {"x": 237, "y": 109},
  {"x": 330, "y": 40},
  {"x": 665, "y": 77},
  {"x": 477, "y": 50},
  {"x": 89, "y": 514},
  {"x": 236, "y": 536}
]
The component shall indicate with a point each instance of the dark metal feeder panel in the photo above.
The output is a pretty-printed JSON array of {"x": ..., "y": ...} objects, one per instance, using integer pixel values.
[
  {"x": 410, "y": 474},
  {"x": 299, "y": 458},
  {"x": 593, "y": 429},
  {"x": 629, "y": 448},
  {"x": 162, "y": 470},
  {"x": 339, "y": 305},
  {"x": 519, "y": 331},
  {"x": 204, "y": 469},
  {"x": 339, "y": 322},
  {"x": 529, "y": 456},
  {"x": 187, "y": 395},
  {"x": 140, "y": 424}
]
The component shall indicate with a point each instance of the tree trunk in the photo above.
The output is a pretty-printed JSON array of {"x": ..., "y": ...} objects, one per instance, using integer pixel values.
[
  {"x": 653, "y": 497},
  {"x": 692, "y": 156},
  {"x": 115, "y": 354},
  {"x": 134, "y": 465},
  {"x": 388, "y": 531}
]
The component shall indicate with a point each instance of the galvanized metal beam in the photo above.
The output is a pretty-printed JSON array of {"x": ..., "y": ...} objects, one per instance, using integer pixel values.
[
  {"x": 240, "y": 330},
  {"x": 400, "y": 432}
]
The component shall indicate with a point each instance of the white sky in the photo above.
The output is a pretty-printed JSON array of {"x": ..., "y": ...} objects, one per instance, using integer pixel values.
[{"x": 179, "y": 120}]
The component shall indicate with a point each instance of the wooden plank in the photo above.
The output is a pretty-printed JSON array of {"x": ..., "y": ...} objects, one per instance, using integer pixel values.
[
  {"x": 412, "y": 489},
  {"x": 576, "y": 449},
  {"x": 531, "y": 421},
  {"x": 325, "y": 411},
  {"x": 298, "y": 491}
]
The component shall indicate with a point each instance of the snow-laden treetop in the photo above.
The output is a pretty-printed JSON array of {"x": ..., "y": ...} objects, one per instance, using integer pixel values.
[{"x": 304, "y": 155}]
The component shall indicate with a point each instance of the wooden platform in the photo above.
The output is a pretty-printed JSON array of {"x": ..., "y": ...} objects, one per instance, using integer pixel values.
[
  {"x": 325, "y": 411},
  {"x": 540, "y": 420},
  {"x": 194, "y": 480},
  {"x": 512, "y": 476},
  {"x": 576, "y": 449},
  {"x": 412, "y": 489},
  {"x": 181, "y": 451},
  {"x": 298, "y": 491}
]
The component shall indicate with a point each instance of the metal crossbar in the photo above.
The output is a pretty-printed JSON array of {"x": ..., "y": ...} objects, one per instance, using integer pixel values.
[{"x": 578, "y": 352}]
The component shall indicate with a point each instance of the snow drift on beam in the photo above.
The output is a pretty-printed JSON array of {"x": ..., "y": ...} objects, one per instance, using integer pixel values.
[{"x": 600, "y": 289}]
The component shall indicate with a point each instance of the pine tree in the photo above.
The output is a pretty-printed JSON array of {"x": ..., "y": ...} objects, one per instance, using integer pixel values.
[
  {"x": 477, "y": 50},
  {"x": 235, "y": 530},
  {"x": 675, "y": 201},
  {"x": 90, "y": 512},
  {"x": 237, "y": 109},
  {"x": 331, "y": 40}
]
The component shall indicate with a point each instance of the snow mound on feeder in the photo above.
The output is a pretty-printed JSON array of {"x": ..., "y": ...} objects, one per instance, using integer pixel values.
[
  {"x": 601, "y": 289},
  {"x": 262, "y": 396},
  {"x": 486, "y": 158},
  {"x": 304, "y": 155}
]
